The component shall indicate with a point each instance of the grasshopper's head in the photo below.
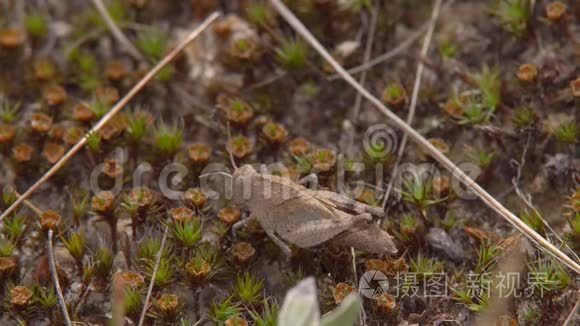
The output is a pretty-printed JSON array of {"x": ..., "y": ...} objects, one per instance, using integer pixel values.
[
  {"x": 244, "y": 170},
  {"x": 242, "y": 184}
]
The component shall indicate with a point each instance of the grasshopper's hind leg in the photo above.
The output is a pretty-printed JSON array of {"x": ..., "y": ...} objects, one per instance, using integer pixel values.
[
  {"x": 240, "y": 224},
  {"x": 311, "y": 180},
  {"x": 285, "y": 249},
  {"x": 362, "y": 217}
]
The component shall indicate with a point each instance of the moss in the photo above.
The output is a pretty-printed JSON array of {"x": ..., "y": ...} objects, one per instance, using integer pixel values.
[
  {"x": 292, "y": 54},
  {"x": 282, "y": 105},
  {"x": 524, "y": 118},
  {"x": 556, "y": 10},
  {"x": 547, "y": 276},
  {"x": 229, "y": 215},
  {"x": 11, "y": 38},
  {"x": 36, "y": 24},
  {"x": 240, "y": 146},
  {"x": 187, "y": 233},
  {"x": 199, "y": 153},
  {"x": 567, "y": 132},
  {"x": 248, "y": 289},
  {"x": 395, "y": 95},
  {"x": 513, "y": 15},
  {"x": 426, "y": 266},
  {"x": 220, "y": 312},
  {"x": 259, "y": 14},
  {"x": 167, "y": 140},
  {"x": 274, "y": 133}
]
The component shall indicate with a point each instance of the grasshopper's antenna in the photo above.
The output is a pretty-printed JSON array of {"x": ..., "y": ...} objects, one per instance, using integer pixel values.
[
  {"x": 232, "y": 161},
  {"x": 212, "y": 173}
]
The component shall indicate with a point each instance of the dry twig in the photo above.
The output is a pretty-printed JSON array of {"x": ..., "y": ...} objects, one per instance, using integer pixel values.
[{"x": 420, "y": 140}]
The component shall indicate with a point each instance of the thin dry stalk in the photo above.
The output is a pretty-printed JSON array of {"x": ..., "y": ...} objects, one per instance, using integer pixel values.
[
  {"x": 366, "y": 58},
  {"x": 573, "y": 314},
  {"x": 33, "y": 207},
  {"x": 363, "y": 314},
  {"x": 118, "y": 299},
  {"x": 114, "y": 110},
  {"x": 420, "y": 140},
  {"x": 512, "y": 262},
  {"x": 354, "y": 118},
  {"x": 404, "y": 45},
  {"x": 152, "y": 282},
  {"x": 414, "y": 96},
  {"x": 55, "y": 280},
  {"x": 385, "y": 56},
  {"x": 527, "y": 198},
  {"x": 29, "y": 204},
  {"x": 116, "y": 31}
]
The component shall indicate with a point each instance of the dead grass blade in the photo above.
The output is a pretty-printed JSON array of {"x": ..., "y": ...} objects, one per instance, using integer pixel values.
[
  {"x": 366, "y": 57},
  {"x": 385, "y": 56},
  {"x": 29, "y": 204},
  {"x": 152, "y": 282},
  {"x": 374, "y": 13},
  {"x": 118, "y": 289},
  {"x": 116, "y": 31},
  {"x": 414, "y": 96},
  {"x": 55, "y": 280},
  {"x": 573, "y": 314},
  {"x": 527, "y": 199},
  {"x": 420, "y": 140},
  {"x": 404, "y": 45},
  {"x": 114, "y": 110}
]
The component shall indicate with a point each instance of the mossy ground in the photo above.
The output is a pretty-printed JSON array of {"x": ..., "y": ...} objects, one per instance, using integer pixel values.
[{"x": 250, "y": 69}]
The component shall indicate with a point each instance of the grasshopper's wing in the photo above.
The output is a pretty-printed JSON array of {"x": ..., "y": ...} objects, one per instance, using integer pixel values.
[
  {"x": 307, "y": 223},
  {"x": 344, "y": 203},
  {"x": 369, "y": 238},
  {"x": 268, "y": 191},
  {"x": 292, "y": 212}
]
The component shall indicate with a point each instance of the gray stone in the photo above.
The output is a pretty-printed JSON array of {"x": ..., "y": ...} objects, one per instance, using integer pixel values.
[{"x": 440, "y": 240}]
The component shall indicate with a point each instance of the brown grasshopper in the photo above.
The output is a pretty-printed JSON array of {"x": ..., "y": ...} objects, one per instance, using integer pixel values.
[
  {"x": 307, "y": 218},
  {"x": 290, "y": 212}
]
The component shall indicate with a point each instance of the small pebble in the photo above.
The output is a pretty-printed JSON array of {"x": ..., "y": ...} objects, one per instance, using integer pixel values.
[{"x": 440, "y": 240}]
